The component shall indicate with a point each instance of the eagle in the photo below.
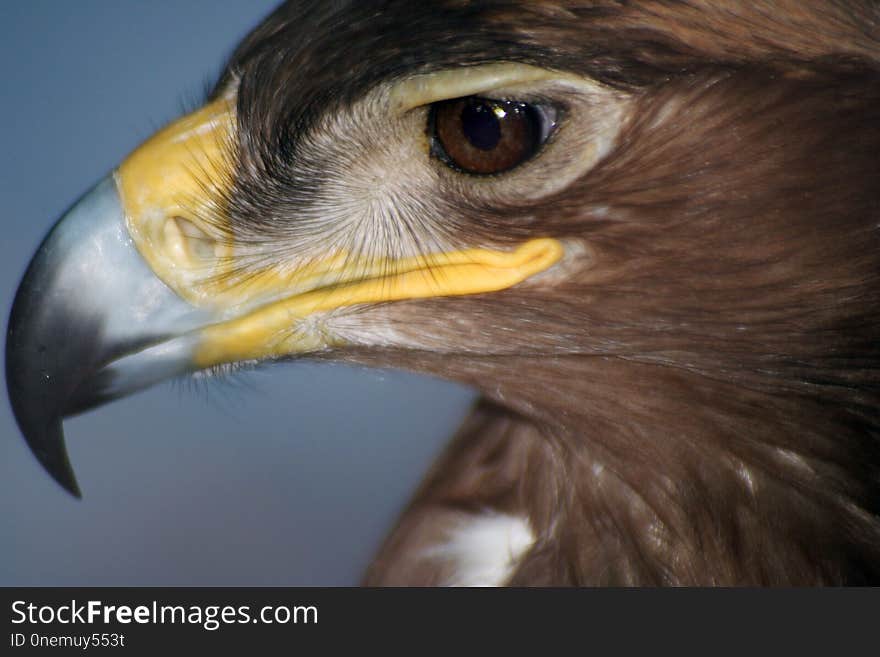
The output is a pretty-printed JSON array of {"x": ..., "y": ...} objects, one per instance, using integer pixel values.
[{"x": 648, "y": 233}]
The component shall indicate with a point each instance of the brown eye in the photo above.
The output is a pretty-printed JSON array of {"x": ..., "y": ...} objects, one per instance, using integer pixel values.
[{"x": 483, "y": 136}]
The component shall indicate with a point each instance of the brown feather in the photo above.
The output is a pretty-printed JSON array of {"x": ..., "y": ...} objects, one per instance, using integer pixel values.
[{"x": 698, "y": 403}]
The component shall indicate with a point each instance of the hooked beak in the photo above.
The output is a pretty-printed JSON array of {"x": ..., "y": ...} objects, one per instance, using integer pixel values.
[
  {"x": 131, "y": 287},
  {"x": 90, "y": 323}
]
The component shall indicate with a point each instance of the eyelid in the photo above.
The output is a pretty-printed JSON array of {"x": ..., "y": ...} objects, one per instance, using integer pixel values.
[{"x": 434, "y": 87}]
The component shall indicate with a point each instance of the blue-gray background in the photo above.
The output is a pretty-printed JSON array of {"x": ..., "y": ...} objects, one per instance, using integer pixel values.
[{"x": 289, "y": 476}]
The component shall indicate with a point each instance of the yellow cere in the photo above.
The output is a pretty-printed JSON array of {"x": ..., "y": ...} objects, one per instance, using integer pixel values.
[
  {"x": 162, "y": 184},
  {"x": 167, "y": 184}
]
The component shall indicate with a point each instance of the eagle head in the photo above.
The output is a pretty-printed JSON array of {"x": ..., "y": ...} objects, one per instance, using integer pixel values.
[{"x": 647, "y": 232}]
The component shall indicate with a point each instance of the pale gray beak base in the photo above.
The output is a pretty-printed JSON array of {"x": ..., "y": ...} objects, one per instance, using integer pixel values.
[{"x": 85, "y": 312}]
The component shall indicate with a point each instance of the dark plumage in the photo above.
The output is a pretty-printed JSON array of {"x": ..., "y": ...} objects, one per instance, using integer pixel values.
[{"x": 690, "y": 398}]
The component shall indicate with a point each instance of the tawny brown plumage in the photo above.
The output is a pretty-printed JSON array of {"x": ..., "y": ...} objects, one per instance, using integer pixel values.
[{"x": 716, "y": 366}]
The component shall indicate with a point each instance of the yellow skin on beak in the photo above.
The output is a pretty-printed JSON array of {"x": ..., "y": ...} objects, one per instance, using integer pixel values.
[{"x": 164, "y": 181}]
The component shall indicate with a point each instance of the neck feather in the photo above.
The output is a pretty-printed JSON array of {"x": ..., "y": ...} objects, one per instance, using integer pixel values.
[{"x": 634, "y": 473}]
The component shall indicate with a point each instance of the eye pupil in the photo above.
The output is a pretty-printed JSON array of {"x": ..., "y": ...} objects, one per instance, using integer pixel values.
[
  {"x": 484, "y": 136},
  {"x": 481, "y": 125}
]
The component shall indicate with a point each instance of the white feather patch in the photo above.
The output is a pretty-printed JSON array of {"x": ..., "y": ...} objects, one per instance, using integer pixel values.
[{"x": 484, "y": 549}]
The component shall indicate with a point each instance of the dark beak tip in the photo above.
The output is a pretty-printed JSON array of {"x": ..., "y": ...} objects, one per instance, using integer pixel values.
[
  {"x": 57, "y": 464},
  {"x": 65, "y": 477},
  {"x": 46, "y": 440},
  {"x": 33, "y": 398},
  {"x": 71, "y": 486},
  {"x": 51, "y": 452},
  {"x": 49, "y": 448}
]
